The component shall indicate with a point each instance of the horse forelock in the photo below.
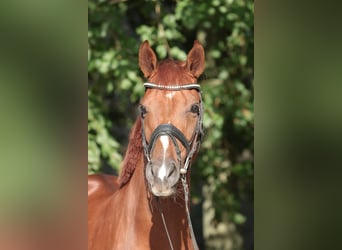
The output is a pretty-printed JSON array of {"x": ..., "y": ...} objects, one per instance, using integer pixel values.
[
  {"x": 171, "y": 72},
  {"x": 133, "y": 153}
]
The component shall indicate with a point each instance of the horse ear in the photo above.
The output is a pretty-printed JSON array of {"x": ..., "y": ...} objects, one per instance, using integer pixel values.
[
  {"x": 147, "y": 59},
  {"x": 195, "y": 60}
]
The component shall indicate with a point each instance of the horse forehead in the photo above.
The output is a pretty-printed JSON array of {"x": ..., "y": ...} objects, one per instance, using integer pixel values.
[{"x": 166, "y": 99}]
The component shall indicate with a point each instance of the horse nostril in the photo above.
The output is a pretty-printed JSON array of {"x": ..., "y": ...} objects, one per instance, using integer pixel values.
[
  {"x": 172, "y": 171},
  {"x": 152, "y": 171}
]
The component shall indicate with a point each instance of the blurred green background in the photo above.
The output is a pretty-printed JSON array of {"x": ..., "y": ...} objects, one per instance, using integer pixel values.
[
  {"x": 43, "y": 100},
  {"x": 222, "y": 176},
  {"x": 43, "y": 94}
]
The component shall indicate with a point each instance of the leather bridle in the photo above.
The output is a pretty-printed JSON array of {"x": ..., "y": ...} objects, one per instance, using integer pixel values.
[{"x": 191, "y": 146}]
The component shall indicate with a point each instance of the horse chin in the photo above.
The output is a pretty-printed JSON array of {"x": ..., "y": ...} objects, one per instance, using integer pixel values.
[
  {"x": 165, "y": 188},
  {"x": 161, "y": 192}
]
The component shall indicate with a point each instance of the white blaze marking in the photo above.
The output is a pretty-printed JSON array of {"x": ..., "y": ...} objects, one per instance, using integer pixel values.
[
  {"x": 170, "y": 95},
  {"x": 164, "y": 139}
]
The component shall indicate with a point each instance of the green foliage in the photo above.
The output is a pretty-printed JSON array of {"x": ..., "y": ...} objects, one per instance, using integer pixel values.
[
  {"x": 101, "y": 146},
  {"x": 226, "y": 29}
]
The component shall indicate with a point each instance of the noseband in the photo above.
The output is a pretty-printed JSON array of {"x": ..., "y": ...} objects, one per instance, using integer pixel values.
[{"x": 191, "y": 146}]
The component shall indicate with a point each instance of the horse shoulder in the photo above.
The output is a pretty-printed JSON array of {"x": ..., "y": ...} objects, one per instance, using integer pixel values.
[
  {"x": 100, "y": 190},
  {"x": 102, "y": 185}
]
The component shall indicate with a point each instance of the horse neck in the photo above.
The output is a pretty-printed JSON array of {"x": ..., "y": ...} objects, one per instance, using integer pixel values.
[{"x": 132, "y": 177}]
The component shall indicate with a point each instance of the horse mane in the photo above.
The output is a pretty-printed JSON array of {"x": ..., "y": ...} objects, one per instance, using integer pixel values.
[{"x": 133, "y": 153}]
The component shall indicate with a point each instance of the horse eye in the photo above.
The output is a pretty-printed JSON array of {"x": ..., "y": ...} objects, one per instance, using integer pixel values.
[
  {"x": 143, "y": 110},
  {"x": 195, "y": 109}
]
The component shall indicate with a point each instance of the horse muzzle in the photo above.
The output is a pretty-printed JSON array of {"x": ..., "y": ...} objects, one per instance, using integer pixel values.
[{"x": 162, "y": 177}]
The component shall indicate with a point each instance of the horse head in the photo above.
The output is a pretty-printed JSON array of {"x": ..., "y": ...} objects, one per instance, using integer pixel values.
[{"x": 171, "y": 115}]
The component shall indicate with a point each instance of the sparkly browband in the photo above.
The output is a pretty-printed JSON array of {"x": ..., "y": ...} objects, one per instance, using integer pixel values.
[{"x": 172, "y": 87}]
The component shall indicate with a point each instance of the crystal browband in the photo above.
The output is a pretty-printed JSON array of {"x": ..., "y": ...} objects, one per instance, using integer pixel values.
[{"x": 172, "y": 87}]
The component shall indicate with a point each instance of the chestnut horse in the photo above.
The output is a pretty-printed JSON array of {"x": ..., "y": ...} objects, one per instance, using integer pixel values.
[{"x": 146, "y": 207}]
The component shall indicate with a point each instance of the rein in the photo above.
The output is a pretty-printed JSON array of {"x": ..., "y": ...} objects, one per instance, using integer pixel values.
[{"x": 191, "y": 146}]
